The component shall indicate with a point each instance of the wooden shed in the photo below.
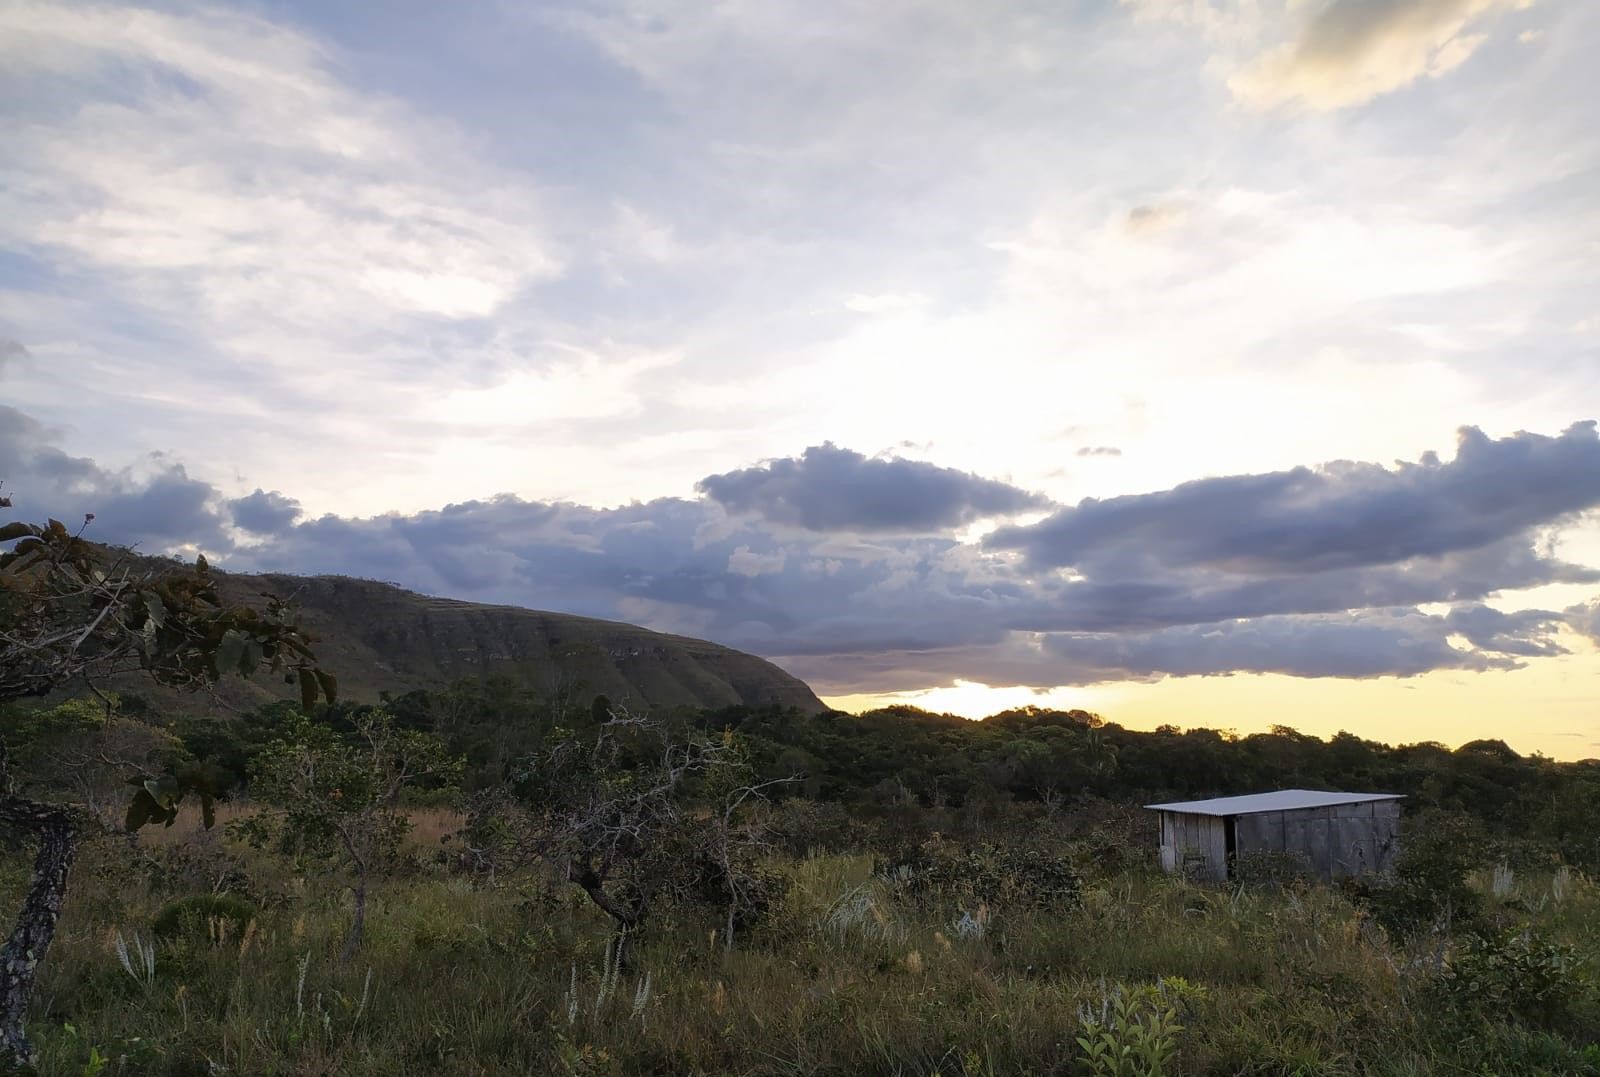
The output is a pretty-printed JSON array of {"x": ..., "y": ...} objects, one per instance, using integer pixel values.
[{"x": 1336, "y": 834}]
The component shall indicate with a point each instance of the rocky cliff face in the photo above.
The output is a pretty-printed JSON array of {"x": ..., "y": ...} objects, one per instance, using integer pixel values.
[{"x": 376, "y": 637}]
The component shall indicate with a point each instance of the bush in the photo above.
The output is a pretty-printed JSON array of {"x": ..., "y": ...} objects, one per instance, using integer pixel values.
[
  {"x": 1516, "y": 975},
  {"x": 1012, "y": 876},
  {"x": 191, "y": 916},
  {"x": 1430, "y": 891},
  {"x": 802, "y": 827}
]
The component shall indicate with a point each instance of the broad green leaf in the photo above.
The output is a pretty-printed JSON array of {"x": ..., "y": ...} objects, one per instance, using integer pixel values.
[
  {"x": 164, "y": 790},
  {"x": 328, "y": 684},
  {"x": 308, "y": 688},
  {"x": 141, "y": 809}
]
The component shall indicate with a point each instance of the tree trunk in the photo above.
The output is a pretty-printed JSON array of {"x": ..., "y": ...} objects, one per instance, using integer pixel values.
[
  {"x": 352, "y": 941},
  {"x": 36, "y": 923},
  {"x": 629, "y": 917}
]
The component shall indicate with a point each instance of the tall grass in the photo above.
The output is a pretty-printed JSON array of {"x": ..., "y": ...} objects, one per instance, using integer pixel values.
[{"x": 848, "y": 975}]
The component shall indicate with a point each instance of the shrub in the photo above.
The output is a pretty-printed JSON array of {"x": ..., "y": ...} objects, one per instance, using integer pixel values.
[
  {"x": 191, "y": 916},
  {"x": 1517, "y": 975},
  {"x": 1429, "y": 891},
  {"x": 1010, "y": 876},
  {"x": 802, "y": 827}
]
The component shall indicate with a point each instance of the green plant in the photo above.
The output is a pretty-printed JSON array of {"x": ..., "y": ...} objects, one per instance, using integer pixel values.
[
  {"x": 1430, "y": 892},
  {"x": 1518, "y": 974},
  {"x": 1134, "y": 1033},
  {"x": 338, "y": 797},
  {"x": 1009, "y": 875},
  {"x": 200, "y": 914},
  {"x": 72, "y": 611}
]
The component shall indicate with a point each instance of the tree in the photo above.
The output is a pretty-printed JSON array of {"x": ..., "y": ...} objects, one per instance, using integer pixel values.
[
  {"x": 735, "y": 831},
  {"x": 75, "y": 612},
  {"x": 614, "y": 809},
  {"x": 339, "y": 796},
  {"x": 84, "y": 752}
]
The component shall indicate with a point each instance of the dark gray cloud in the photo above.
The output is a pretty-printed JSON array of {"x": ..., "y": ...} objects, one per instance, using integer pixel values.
[
  {"x": 833, "y": 489},
  {"x": 263, "y": 512},
  {"x": 155, "y": 505},
  {"x": 1131, "y": 595},
  {"x": 1166, "y": 584},
  {"x": 1585, "y": 619},
  {"x": 1378, "y": 643},
  {"x": 1400, "y": 642},
  {"x": 11, "y": 351},
  {"x": 1525, "y": 633},
  {"x": 1338, "y": 516}
]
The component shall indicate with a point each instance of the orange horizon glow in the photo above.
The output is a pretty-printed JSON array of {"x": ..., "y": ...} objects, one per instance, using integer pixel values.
[{"x": 1548, "y": 708}]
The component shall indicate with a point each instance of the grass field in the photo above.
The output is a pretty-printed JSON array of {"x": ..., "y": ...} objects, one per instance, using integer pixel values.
[{"x": 848, "y": 974}]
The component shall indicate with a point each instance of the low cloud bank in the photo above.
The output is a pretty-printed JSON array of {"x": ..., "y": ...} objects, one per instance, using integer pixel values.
[{"x": 849, "y": 569}]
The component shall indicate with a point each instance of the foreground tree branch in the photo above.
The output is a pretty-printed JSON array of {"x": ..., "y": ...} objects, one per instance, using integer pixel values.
[{"x": 75, "y": 612}]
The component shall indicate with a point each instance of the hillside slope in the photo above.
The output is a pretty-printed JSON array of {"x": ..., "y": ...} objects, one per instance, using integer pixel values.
[{"x": 377, "y": 637}]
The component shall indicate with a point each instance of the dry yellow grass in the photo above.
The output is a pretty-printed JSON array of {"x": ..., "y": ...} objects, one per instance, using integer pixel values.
[
  {"x": 189, "y": 824},
  {"x": 429, "y": 826}
]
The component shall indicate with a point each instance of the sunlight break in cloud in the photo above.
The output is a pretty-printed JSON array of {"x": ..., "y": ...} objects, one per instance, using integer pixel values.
[{"x": 1355, "y": 50}]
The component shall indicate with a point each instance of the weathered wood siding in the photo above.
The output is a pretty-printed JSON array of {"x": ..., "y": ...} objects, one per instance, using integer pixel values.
[
  {"x": 1197, "y": 845},
  {"x": 1346, "y": 839},
  {"x": 1337, "y": 841}
]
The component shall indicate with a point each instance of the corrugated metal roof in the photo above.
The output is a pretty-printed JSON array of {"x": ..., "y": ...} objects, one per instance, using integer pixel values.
[{"x": 1278, "y": 800}]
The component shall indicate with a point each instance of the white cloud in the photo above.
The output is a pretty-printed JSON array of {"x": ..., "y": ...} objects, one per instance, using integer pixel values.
[
  {"x": 908, "y": 221},
  {"x": 745, "y": 562},
  {"x": 218, "y": 169},
  {"x": 886, "y": 302}
]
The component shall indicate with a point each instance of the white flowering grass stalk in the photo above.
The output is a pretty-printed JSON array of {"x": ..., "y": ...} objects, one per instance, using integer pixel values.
[
  {"x": 138, "y": 959},
  {"x": 300, "y": 988}
]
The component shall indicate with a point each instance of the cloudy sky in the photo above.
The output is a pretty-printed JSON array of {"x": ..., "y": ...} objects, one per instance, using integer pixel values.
[{"x": 1224, "y": 362}]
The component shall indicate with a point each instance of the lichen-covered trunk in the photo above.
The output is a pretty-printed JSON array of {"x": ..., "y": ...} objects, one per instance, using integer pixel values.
[
  {"x": 36, "y": 923},
  {"x": 358, "y": 924}
]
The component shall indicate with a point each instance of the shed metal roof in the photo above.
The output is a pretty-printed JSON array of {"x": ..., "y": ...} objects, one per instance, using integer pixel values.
[{"x": 1278, "y": 800}]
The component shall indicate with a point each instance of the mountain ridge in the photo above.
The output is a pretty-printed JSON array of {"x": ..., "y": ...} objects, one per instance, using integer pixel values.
[{"x": 378, "y": 637}]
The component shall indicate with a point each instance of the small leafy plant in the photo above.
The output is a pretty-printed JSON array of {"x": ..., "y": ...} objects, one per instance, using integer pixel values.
[{"x": 1134, "y": 1032}]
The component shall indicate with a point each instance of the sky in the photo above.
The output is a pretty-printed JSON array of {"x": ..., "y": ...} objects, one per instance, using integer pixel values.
[{"x": 1197, "y": 362}]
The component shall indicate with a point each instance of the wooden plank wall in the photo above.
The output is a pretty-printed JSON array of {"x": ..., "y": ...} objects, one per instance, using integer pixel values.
[
  {"x": 1195, "y": 845},
  {"x": 1346, "y": 839},
  {"x": 1385, "y": 835}
]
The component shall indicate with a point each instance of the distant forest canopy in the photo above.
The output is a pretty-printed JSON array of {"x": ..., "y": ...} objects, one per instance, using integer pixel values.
[{"x": 901, "y": 759}]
